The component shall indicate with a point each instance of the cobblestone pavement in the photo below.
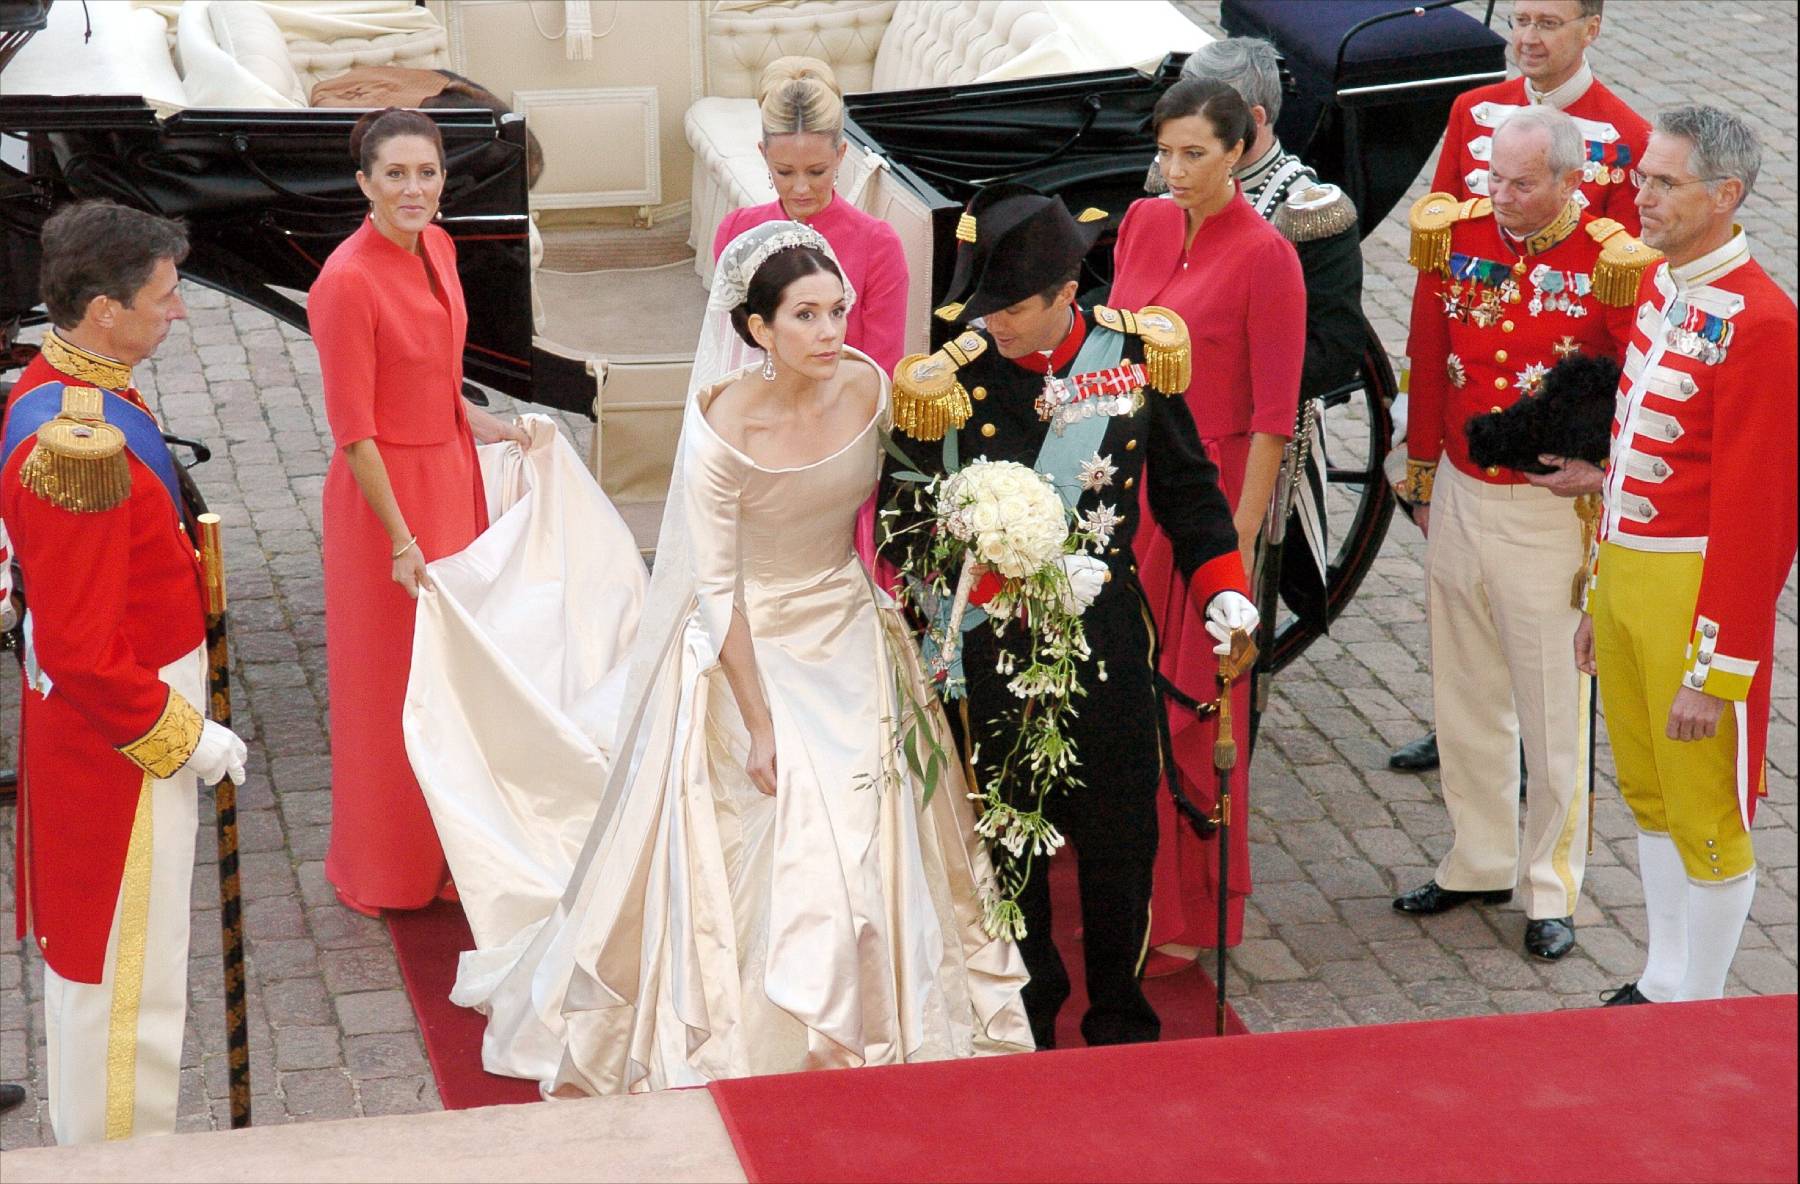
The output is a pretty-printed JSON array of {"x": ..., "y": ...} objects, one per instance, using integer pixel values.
[{"x": 1334, "y": 833}]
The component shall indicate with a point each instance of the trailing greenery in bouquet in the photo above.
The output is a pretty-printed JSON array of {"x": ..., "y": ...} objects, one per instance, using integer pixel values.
[{"x": 996, "y": 547}]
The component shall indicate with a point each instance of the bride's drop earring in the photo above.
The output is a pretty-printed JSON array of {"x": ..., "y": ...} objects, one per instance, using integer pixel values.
[{"x": 768, "y": 370}]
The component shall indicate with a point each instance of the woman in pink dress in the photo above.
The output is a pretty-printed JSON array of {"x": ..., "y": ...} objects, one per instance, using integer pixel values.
[
  {"x": 803, "y": 144},
  {"x": 1236, "y": 281},
  {"x": 401, "y": 490}
]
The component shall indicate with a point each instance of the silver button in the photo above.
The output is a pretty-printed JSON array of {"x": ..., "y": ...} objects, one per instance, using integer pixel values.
[
  {"x": 1660, "y": 469},
  {"x": 1687, "y": 386},
  {"x": 1672, "y": 431},
  {"x": 1710, "y": 843},
  {"x": 43, "y": 943},
  {"x": 1711, "y": 630},
  {"x": 1706, "y": 659},
  {"x": 1697, "y": 680}
]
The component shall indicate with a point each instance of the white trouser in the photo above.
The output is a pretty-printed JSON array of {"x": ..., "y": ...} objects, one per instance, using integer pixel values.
[
  {"x": 1499, "y": 566},
  {"x": 114, "y": 1048}
]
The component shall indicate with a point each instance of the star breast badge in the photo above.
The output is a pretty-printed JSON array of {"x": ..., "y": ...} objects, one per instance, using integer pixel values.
[
  {"x": 1531, "y": 379},
  {"x": 1097, "y": 472},
  {"x": 1100, "y": 522}
]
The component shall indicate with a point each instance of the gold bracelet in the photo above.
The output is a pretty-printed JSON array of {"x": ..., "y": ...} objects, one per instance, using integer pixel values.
[{"x": 410, "y": 544}]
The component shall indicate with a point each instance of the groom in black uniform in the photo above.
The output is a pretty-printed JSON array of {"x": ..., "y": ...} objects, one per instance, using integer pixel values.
[{"x": 985, "y": 395}]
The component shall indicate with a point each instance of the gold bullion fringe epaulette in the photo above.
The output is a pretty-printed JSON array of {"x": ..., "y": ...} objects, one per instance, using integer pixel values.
[
  {"x": 929, "y": 400},
  {"x": 170, "y": 741},
  {"x": 1168, "y": 358},
  {"x": 78, "y": 462},
  {"x": 1313, "y": 212},
  {"x": 1622, "y": 263},
  {"x": 1431, "y": 220}
]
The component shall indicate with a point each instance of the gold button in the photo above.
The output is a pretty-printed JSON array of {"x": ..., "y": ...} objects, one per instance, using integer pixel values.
[
  {"x": 1499, "y": 355},
  {"x": 1107, "y": 578},
  {"x": 1500, "y": 384},
  {"x": 1112, "y": 550},
  {"x": 1130, "y": 445},
  {"x": 1709, "y": 842},
  {"x": 1506, "y": 326},
  {"x": 978, "y": 394},
  {"x": 987, "y": 429},
  {"x": 43, "y": 943},
  {"x": 1130, "y": 482},
  {"x": 1495, "y": 410},
  {"x": 1491, "y": 471}
]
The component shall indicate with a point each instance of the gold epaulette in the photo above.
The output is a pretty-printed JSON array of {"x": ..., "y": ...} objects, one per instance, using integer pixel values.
[
  {"x": 1313, "y": 212},
  {"x": 79, "y": 462},
  {"x": 1622, "y": 263},
  {"x": 1431, "y": 220},
  {"x": 1168, "y": 358},
  {"x": 929, "y": 399}
]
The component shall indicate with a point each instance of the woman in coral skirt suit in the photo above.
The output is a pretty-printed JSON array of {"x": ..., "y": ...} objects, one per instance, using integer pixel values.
[
  {"x": 402, "y": 489},
  {"x": 1236, "y": 281}
]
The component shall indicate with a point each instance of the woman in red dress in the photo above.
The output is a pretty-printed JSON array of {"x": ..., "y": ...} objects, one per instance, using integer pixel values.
[
  {"x": 1207, "y": 255},
  {"x": 402, "y": 489},
  {"x": 803, "y": 145}
]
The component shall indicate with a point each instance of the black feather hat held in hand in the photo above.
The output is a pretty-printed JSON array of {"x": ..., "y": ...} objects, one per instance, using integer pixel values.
[{"x": 1570, "y": 415}]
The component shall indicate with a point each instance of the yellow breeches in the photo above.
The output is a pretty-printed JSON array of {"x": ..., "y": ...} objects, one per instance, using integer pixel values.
[{"x": 1643, "y": 606}]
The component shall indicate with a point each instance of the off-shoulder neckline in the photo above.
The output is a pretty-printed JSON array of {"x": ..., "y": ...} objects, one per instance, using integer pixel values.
[{"x": 703, "y": 399}]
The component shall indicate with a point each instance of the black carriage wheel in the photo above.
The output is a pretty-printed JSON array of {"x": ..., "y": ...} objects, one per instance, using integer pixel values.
[{"x": 1356, "y": 433}]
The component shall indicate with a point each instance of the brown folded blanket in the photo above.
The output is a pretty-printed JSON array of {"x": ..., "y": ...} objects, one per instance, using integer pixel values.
[{"x": 380, "y": 86}]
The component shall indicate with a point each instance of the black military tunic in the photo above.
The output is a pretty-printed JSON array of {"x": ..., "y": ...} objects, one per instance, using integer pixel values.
[{"x": 1110, "y": 819}]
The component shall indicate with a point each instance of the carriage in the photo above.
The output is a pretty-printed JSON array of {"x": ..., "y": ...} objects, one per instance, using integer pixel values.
[{"x": 585, "y": 290}]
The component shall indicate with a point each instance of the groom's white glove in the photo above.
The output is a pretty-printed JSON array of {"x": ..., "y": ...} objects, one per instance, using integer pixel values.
[
  {"x": 1230, "y": 612},
  {"x": 1086, "y": 575},
  {"x": 219, "y": 754}
]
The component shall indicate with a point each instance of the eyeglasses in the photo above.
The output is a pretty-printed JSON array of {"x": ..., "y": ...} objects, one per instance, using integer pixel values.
[
  {"x": 1543, "y": 24},
  {"x": 1657, "y": 186}
]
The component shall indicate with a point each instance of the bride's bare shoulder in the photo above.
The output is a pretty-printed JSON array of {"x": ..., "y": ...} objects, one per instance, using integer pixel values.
[
  {"x": 861, "y": 383},
  {"x": 731, "y": 409}
]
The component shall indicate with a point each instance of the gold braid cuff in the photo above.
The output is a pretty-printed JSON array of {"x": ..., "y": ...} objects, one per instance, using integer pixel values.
[
  {"x": 78, "y": 462},
  {"x": 76, "y": 362},
  {"x": 929, "y": 400},
  {"x": 170, "y": 741},
  {"x": 1420, "y": 475},
  {"x": 1168, "y": 357},
  {"x": 1622, "y": 263},
  {"x": 1431, "y": 219}
]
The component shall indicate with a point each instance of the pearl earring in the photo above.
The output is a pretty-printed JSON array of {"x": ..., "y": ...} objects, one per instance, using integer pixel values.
[{"x": 768, "y": 370}]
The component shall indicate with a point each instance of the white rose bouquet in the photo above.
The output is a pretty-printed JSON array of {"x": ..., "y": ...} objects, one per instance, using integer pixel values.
[{"x": 999, "y": 521}]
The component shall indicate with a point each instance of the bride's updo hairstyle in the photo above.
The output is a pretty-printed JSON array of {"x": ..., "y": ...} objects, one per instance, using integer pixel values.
[
  {"x": 798, "y": 95},
  {"x": 769, "y": 285}
]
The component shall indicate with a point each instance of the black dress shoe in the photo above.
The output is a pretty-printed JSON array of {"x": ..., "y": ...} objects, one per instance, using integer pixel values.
[
  {"x": 1418, "y": 757},
  {"x": 1550, "y": 938},
  {"x": 1433, "y": 898},
  {"x": 1624, "y": 996},
  {"x": 10, "y": 1095}
]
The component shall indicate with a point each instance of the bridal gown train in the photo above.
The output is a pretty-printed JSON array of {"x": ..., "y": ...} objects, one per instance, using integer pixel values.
[{"x": 707, "y": 930}]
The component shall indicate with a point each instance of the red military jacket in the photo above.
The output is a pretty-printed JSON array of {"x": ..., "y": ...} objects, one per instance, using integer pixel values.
[
  {"x": 1615, "y": 136},
  {"x": 113, "y": 588},
  {"x": 1704, "y": 459},
  {"x": 1491, "y": 314}
]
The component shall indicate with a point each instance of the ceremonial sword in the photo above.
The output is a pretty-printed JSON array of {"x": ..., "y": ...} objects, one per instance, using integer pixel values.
[
  {"x": 231, "y": 913},
  {"x": 1225, "y": 757}
]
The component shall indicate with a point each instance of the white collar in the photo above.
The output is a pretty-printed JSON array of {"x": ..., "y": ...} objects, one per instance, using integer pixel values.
[
  {"x": 1715, "y": 264},
  {"x": 1568, "y": 92}
]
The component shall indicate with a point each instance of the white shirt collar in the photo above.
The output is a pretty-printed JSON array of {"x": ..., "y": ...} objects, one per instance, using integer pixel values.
[
  {"x": 1568, "y": 92},
  {"x": 1715, "y": 264}
]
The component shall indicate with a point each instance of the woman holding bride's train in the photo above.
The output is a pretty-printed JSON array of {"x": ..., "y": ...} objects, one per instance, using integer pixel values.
[{"x": 765, "y": 885}]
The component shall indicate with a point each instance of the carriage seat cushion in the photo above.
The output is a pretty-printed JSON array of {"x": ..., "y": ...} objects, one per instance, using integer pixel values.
[
  {"x": 127, "y": 55},
  {"x": 233, "y": 55},
  {"x": 1440, "y": 43},
  {"x": 947, "y": 44}
]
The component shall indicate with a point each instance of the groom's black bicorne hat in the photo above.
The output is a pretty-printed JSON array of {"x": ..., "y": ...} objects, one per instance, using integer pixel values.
[{"x": 1014, "y": 242}]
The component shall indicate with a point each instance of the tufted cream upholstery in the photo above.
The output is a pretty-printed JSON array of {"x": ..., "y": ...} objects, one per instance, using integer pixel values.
[
  {"x": 743, "y": 36},
  {"x": 128, "y": 54},
  {"x": 947, "y": 44}
]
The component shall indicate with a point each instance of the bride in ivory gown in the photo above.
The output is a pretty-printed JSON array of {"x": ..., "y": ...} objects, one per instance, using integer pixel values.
[{"x": 763, "y": 887}]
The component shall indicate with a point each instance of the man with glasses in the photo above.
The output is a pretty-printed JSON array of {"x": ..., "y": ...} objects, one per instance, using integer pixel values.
[
  {"x": 1549, "y": 45},
  {"x": 1508, "y": 286},
  {"x": 1697, "y": 539}
]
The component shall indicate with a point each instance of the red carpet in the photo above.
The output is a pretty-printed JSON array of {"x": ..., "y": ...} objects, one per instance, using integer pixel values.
[
  {"x": 1692, "y": 1091},
  {"x": 427, "y": 942}
]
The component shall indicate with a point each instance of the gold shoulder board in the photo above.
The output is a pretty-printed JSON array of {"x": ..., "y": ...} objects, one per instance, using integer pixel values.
[
  {"x": 1314, "y": 212},
  {"x": 1168, "y": 361},
  {"x": 1622, "y": 263},
  {"x": 1431, "y": 219},
  {"x": 929, "y": 399},
  {"x": 78, "y": 462}
]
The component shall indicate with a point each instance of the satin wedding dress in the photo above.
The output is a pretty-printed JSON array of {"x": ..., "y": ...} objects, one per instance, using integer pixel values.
[{"x": 705, "y": 930}]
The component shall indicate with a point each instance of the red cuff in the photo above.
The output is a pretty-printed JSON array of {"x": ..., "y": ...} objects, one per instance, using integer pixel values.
[
  {"x": 986, "y": 588},
  {"x": 1221, "y": 573}
]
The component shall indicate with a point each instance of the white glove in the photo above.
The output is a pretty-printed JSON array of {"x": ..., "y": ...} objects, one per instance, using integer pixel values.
[
  {"x": 219, "y": 754},
  {"x": 1228, "y": 612},
  {"x": 1086, "y": 575}
]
